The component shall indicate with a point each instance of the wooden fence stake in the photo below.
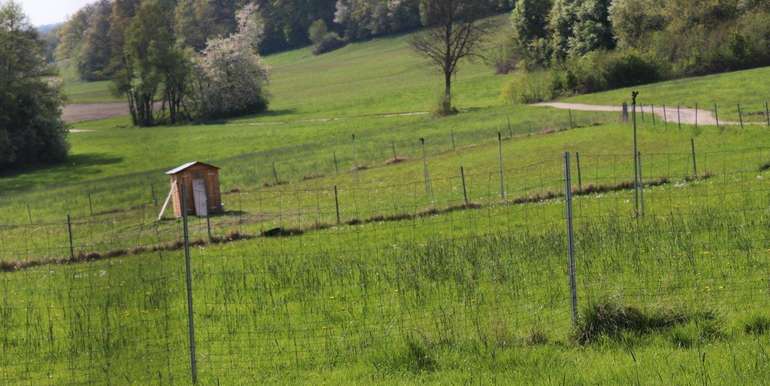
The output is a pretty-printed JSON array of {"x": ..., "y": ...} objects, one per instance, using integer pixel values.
[
  {"x": 679, "y": 115},
  {"x": 69, "y": 234},
  {"x": 579, "y": 172},
  {"x": 426, "y": 173},
  {"x": 716, "y": 114},
  {"x": 696, "y": 115},
  {"x": 465, "y": 189},
  {"x": 740, "y": 115},
  {"x": 153, "y": 194},
  {"x": 694, "y": 160},
  {"x": 653, "y": 115},
  {"x": 275, "y": 174},
  {"x": 502, "y": 168},
  {"x": 337, "y": 204}
]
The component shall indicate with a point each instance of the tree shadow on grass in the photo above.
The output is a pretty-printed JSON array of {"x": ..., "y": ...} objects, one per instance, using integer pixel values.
[
  {"x": 264, "y": 114},
  {"x": 75, "y": 168}
]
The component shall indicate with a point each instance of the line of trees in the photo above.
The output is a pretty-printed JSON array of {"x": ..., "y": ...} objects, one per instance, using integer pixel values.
[
  {"x": 286, "y": 24},
  {"x": 593, "y": 45},
  {"x": 31, "y": 129}
]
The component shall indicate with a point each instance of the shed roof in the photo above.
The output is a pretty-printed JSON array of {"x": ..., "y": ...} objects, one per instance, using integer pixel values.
[{"x": 187, "y": 166}]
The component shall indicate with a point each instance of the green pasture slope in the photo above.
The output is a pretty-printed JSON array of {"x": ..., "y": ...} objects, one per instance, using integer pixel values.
[{"x": 414, "y": 286}]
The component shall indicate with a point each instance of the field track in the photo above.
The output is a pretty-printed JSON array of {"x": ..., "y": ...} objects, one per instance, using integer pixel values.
[
  {"x": 91, "y": 112},
  {"x": 686, "y": 115}
]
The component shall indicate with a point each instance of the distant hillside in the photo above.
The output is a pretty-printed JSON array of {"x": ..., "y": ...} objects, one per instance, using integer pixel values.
[{"x": 48, "y": 28}]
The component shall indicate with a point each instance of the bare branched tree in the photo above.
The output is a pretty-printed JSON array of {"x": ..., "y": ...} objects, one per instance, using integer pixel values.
[{"x": 455, "y": 31}]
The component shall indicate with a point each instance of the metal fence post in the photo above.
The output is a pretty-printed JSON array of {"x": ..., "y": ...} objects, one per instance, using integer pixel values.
[
  {"x": 634, "y": 95},
  {"x": 337, "y": 204},
  {"x": 679, "y": 115},
  {"x": 570, "y": 239},
  {"x": 571, "y": 121},
  {"x": 465, "y": 189},
  {"x": 740, "y": 115},
  {"x": 716, "y": 114},
  {"x": 665, "y": 117},
  {"x": 641, "y": 184},
  {"x": 502, "y": 168},
  {"x": 69, "y": 234},
  {"x": 188, "y": 277}
]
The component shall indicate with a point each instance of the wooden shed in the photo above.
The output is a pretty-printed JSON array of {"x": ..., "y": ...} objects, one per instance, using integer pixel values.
[{"x": 201, "y": 184}]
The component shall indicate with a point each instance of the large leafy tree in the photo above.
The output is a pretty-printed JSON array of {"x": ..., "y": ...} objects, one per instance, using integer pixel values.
[
  {"x": 151, "y": 63},
  {"x": 579, "y": 26},
  {"x": 530, "y": 30},
  {"x": 31, "y": 129},
  {"x": 94, "y": 55}
]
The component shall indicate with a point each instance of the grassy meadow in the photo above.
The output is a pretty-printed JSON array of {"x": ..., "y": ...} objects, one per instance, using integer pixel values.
[{"x": 414, "y": 285}]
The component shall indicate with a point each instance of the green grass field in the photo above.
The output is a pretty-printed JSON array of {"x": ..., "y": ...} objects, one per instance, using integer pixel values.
[{"x": 414, "y": 286}]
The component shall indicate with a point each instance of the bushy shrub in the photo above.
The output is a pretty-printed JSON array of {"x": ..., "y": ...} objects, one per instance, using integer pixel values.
[
  {"x": 330, "y": 42},
  {"x": 597, "y": 71},
  {"x": 600, "y": 70},
  {"x": 317, "y": 31},
  {"x": 532, "y": 87}
]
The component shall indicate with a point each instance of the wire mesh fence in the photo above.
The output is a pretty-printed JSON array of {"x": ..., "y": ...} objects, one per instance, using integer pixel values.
[{"x": 471, "y": 263}]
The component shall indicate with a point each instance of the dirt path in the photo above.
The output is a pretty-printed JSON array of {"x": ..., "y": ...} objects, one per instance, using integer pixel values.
[
  {"x": 92, "y": 112},
  {"x": 687, "y": 115}
]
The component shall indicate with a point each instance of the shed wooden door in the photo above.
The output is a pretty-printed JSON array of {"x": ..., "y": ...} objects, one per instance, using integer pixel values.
[{"x": 199, "y": 195}]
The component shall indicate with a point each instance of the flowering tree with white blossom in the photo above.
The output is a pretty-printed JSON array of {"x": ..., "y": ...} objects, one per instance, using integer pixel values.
[{"x": 230, "y": 76}]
